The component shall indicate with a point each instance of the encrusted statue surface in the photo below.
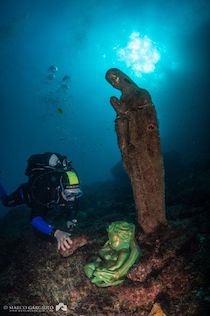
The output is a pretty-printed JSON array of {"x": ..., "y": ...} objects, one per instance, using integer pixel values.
[
  {"x": 138, "y": 137},
  {"x": 116, "y": 257}
]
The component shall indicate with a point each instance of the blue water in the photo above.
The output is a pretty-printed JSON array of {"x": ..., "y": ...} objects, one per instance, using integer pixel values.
[{"x": 81, "y": 39}]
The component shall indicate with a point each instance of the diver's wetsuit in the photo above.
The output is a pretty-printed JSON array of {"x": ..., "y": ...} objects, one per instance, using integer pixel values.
[{"x": 42, "y": 193}]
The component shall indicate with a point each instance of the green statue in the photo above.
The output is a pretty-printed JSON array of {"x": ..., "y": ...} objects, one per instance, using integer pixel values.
[{"x": 116, "y": 257}]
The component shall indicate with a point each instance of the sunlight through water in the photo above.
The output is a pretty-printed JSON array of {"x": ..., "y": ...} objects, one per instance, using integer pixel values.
[{"x": 140, "y": 54}]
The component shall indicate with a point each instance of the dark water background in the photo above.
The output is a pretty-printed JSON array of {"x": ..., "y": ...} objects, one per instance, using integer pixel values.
[{"x": 79, "y": 37}]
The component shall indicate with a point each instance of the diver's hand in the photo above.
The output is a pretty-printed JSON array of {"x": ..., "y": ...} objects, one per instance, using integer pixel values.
[{"x": 63, "y": 239}]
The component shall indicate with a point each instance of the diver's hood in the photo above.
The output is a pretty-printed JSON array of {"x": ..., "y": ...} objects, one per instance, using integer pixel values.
[{"x": 70, "y": 185}]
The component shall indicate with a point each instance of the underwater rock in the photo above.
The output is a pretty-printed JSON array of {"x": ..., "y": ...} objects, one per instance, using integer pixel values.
[
  {"x": 172, "y": 281},
  {"x": 78, "y": 242},
  {"x": 131, "y": 296},
  {"x": 138, "y": 138},
  {"x": 33, "y": 272},
  {"x": 161, "y": 252}
]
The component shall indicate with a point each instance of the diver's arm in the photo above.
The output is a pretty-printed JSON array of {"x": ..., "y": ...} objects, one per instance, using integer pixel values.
[
  {"x": 42, "y": 226},
  {"x": 63, "y": 239}
]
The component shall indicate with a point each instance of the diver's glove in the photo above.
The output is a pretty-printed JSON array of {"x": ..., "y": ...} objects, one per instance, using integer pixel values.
[
  {"x": 63, "y": 239},
  {"x": 71, "y": 225}
]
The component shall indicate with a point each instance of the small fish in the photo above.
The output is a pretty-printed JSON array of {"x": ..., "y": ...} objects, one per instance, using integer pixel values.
[
  {"x": 53, "y": 69},
  {"x": 64, "y": 86},
  {"x": 59, "y": 110},
  {"x": 66, "y": 78},
  {"x": 51, "y": 76}
]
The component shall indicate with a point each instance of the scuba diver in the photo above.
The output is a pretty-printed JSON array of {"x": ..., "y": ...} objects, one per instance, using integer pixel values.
[{"x": 53, "y": 186}]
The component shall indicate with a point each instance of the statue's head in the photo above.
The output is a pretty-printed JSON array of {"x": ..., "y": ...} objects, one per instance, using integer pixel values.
[
  {"x": 118, "y": 79},
  {"x": 120, "y": 234}
]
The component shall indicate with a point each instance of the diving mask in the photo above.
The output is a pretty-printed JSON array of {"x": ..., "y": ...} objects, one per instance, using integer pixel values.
[{"x": 71, "y": 194}]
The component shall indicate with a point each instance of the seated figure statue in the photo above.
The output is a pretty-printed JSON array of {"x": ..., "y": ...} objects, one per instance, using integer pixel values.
[{"x": 116, "y": 257}]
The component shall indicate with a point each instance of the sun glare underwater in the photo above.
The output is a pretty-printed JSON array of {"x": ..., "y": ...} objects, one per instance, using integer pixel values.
[{"x": 140, "y": 54}]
